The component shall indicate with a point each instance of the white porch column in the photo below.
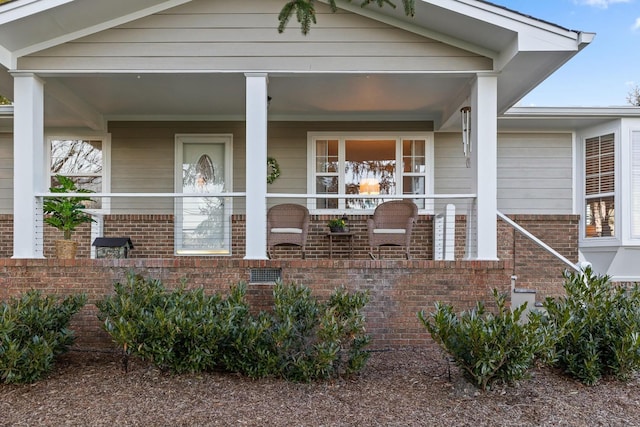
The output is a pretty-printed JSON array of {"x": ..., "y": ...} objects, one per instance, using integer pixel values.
[
  {"x": 28, "y": 165},
  {"x": 256, "y": 179},
  {"x": 484, "y": 164}
]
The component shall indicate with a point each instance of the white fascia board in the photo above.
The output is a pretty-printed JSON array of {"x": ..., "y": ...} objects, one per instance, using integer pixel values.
[
  {"x": 99, "y": 27},
  {"x": 502, "y": 16},
  {"x": 536, "y": 41},
  {"x": 20, "y": 9},
  {"x": 572, "y": 112}
]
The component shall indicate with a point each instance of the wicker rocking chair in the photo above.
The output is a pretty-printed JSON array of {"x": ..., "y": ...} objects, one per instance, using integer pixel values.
[
  {"x": 391, "y": 225},
  {"x": 287, "y": 224}
]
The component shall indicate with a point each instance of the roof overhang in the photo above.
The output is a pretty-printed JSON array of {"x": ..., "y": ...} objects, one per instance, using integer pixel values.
[
  {"x": 562, "y": 119},
  {"x": 524, "y": 51}
]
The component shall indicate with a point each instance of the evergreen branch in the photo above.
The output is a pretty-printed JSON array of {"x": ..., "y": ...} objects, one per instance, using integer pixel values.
[{"x": 306, "y": 14}]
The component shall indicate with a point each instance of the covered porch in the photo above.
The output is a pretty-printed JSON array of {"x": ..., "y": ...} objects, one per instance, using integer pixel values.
[{"x": 143, "y": 82}]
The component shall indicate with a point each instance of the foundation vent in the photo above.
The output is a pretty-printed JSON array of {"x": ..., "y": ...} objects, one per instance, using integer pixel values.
[{"x": 265, "y": 275}]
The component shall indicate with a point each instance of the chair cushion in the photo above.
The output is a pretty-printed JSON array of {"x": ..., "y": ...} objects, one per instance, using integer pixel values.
[
  {"x": 287, "y": 230},
  {"x": 389, "y": 231}
]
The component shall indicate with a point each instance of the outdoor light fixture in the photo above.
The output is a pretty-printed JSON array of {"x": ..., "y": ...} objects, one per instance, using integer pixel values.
[{"x": 466, "y": 133}]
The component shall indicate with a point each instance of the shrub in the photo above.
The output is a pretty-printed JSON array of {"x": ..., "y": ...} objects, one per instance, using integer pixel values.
[
  {"x": 178, "y": 331},
  {"x": 487, "y": 347},
  {"x": 597, "y": 327},
  {"x": 33, "y": 331},
  {"x": 187, "y": 331},
  {"x": 318, "y": 340}
]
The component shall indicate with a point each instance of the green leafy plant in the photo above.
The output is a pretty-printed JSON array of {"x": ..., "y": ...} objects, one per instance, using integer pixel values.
[
  {"x": 597, "y": 327},
  {"x": 337, "y": 223},
  {"x": 66, "y": 213},
  {"x": 318, "y": 340},
  {"x": 488, "y": 347},
  {"x": 188, "y": 331},
  {"x": 178, "y": 331},
  {"x": 33, "y": 331}
]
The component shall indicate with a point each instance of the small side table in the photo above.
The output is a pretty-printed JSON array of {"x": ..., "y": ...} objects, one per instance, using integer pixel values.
[{"x": 340, "y": 234}]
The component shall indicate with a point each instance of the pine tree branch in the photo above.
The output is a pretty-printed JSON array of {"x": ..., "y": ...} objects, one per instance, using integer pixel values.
[{"x": 306, "y": 14}]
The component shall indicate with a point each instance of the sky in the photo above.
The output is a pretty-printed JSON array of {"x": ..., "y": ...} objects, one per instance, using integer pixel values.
[{"x": 603, "y": 73}]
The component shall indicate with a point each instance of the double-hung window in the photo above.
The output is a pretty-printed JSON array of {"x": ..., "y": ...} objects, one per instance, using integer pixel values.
[
  {"x": 371, "y": 165},
  {"x": 600, "y": 186},
  {"x": 81, "y": 159}
]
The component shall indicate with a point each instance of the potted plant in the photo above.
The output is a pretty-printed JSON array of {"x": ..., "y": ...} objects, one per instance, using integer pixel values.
[
  {"x": 337, "y": 225},
  {"x": 65, "y": 214}
]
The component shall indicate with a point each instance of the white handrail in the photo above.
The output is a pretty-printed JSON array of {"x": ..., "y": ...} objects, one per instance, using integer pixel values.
[
  {"x": 269, "y": 195},
  {"x": 116, "y": 195},
  {"x": 369, "y": 196},
  {"x": 537, "y": 241}
]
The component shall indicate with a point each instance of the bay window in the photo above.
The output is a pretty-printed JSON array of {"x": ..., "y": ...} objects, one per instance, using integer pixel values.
[{"x": 384, "y": 164}]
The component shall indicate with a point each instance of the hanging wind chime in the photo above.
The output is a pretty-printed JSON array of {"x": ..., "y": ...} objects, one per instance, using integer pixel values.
[{"x": 466, "y": 134}]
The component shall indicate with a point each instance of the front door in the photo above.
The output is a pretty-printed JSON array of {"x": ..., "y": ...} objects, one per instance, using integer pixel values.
[{"x": 202, "y": 221}]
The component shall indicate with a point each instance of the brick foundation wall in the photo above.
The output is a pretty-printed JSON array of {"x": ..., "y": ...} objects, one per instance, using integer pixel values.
[
  {"x": 536, "y": 268},
  {"x": 398, "y": 289}
]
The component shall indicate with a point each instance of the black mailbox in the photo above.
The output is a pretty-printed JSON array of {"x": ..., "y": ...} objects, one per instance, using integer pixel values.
[{"x": 112, "y": 247}]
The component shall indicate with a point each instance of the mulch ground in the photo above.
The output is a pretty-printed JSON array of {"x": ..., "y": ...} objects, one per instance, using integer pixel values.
[{"x": 410, "y": 387}]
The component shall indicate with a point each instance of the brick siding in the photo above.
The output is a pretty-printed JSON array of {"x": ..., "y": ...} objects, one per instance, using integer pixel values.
[{"x": 398, "y": 289}]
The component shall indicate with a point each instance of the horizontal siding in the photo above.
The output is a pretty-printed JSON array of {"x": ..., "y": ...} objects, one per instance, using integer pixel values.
[
  {"x": 142, "y": 160},
  {"x": 451, "y": 174},
  {"x": 534, "y": 170},
  {"x": 143, "y": 154},
  {"x": 205, "y": 35},
  {"x": 6, "y": 174},
  {"x": 535, "y": 173}
]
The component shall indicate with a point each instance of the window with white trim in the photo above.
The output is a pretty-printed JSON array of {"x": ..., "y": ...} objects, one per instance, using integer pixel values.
[
  {"x": 635, "y": 184},
  {"x": 600, "y": 186},
  {"x": 81, "y": 159},
  {"x": 370, "y": 165}
]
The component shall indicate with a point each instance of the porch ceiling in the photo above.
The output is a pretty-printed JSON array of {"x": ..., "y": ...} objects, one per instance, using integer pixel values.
[{"x": 221, "y": 96}]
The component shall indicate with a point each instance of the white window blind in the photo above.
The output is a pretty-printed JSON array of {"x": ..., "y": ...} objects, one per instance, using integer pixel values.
[
  {"x": 600, "y": 186},
  {"x": 635, "y": 184}
]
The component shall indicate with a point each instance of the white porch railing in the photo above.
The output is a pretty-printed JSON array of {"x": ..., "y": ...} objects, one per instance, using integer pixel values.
[{"x": 193, "y": 216}]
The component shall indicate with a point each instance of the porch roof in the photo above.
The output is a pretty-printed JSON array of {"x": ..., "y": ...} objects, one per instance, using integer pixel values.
[{"x": 524, "y": 51}]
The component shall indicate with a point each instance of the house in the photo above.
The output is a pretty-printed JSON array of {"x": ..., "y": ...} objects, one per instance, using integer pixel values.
[{"x": 169, "y": 110}]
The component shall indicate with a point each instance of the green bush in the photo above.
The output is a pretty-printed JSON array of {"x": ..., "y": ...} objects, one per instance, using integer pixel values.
[
  {"x": 179, "y": 331},
  {"x": 487, "y": 347},
  {"x": 597, "y": 327},
  {"x": 33, "y": 331},
  {"x": 318, "y": 340},
  {"x": 187, "y": 331}
]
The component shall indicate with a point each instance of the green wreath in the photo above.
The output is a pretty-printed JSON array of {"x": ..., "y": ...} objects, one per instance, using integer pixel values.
[{"x": 273, "y": 169}]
